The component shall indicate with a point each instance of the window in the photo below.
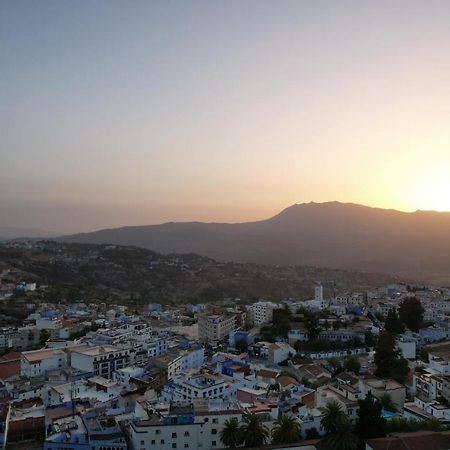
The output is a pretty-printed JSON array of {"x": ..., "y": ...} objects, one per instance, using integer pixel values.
[
  {"x": 215, "y": 420},
  {"x": 214, "y": 431},
  {"x": 174, "y": 435},
  {"x": 153, "y": 442},
  {"x": 174, "y": 445},
  {"x": 213, "y": 443},
  {"x": 186, "y": 433},
  {"x": 158, "y": 432}
]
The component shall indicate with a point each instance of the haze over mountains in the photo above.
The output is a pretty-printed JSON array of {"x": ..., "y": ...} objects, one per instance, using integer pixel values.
[
  {"x": 21, "y": 232},
  {"x": 333, "y": 234}
]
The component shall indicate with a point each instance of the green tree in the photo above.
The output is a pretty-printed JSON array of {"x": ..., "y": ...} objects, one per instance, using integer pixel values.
[
  {"x": 387, "y": 402},
  {"x": 312, "y": 433},
  {"x": 393, "y": 324},
  {"x": 286, "y": 430},
  {"x": 400, "y": 370},
  {"x": 370, "y": 339},
  {"x": 241, "y": 345},
  {"x": 275, "y": 387},
  {"x": 388, "y": 361},
  {"x": 281, "y": 321},
  {"x": 311, "y": 324},
  {"x": 254, "y": 432},
  {"x": 331, "y": 416},
  {"x": 402, "y": 424},
  {"x": 336, "y": 365},
  {"x": 44, "y": 335},
  {"x": 344, "y": 438},
  {"x": 352, "y": 364},
  {"x": 230, "y": 435},
  {"x": 370, "y": 424},
  {"x": 411, "y": 312}
]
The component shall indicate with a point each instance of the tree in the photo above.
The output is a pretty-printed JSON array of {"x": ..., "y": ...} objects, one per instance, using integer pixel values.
[
  {"x": 370, "y": 424},
  {"x": 254, "y": 433},
  {"x": 286, "y": 430},
  {"x": 241, "y": 345},
  {"x": 400, "y": 370},
  {"x": 370, "y": 339},
  {"x": 352, "y": 364},
  {"x": 230, "y": 434},
  {"x": 388, "y": 360},
  {"x": 331, "y": 415},
  {"x": 387, "y": 403},
  {"x": 344, "y": 437},
  {"x": 336, "y": 365},
  {"x": 281, "y": 321},
  {"x": 402, "y": 424},
  {"x": 311, "y": 324},
  {"x": 275, "y": 387},
  {"x": 312, "y": 433},
  {"x": 411, "y": 312},
  {"x": 393, "y": 323},
  {"x": 44, "y": 335}
]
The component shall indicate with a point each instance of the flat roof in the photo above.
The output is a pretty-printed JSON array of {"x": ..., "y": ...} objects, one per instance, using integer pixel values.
[{"x": 39, "y": 355}]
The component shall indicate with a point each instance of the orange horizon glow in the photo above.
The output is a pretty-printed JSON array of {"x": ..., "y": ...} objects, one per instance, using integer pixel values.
[{"x": 115, "y": 114}]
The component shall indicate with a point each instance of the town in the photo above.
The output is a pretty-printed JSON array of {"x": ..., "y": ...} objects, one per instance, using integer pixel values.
[{"x": 293, "y": 373}]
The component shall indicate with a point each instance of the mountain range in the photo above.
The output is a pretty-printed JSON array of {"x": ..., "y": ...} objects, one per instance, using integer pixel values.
[{"x": 338, "y": 235}]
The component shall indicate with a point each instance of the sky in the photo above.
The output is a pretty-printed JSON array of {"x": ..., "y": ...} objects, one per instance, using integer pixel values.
[{"x": 125, "y": 113}]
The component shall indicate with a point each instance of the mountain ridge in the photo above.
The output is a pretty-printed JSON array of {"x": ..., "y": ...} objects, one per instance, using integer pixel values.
[{"x": 331, "y": 234}]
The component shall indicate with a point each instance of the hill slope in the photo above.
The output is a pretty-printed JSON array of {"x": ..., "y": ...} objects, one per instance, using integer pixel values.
[
  {"x": 137, "y": 276},
  {"x": 345, "y": 236}
]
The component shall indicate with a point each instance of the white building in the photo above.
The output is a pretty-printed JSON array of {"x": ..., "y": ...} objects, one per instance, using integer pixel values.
[
  {"x": 38, "y": 362},
  {"x": 280, "y": 351},
  {"x": 337, "y": 309},
  {"x": 350, "y": 300},
  {"x": 262, "y": 312},
  {"x": 215, "y": 328},
  {"x": 407, "y": 347},
  {"x": 186, "y": 387},
  {"x": 44, "y": 323},
  {"x": 296, "y": 335},
  {"x": 123, "y": 376},
  {"x": 177, "y": 361},
  {"x": 100, "y": 360},
  {"x": 184, "y": 426},
  {"x": 193, "y": 358}
]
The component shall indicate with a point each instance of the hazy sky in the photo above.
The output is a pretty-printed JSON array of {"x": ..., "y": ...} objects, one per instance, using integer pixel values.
[{"x": 130, "y": 112}]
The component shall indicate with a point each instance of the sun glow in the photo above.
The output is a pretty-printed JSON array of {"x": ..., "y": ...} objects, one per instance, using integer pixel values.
[
  {"x": 418, "y": 177},
  {"x": 434, "y": 193}
]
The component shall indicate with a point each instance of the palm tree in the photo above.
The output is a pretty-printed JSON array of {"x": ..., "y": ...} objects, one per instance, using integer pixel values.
[
  {"x": 286, "y": 430},
  {"x": 254, "y": 433},
  {"x": 230, "y": 434},
  {"x": 332, "y": 413},
  {"x": 343, "y": 438}
]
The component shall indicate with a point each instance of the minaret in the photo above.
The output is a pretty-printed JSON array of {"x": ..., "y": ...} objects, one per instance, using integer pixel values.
[{"x": 318, "y": 292}]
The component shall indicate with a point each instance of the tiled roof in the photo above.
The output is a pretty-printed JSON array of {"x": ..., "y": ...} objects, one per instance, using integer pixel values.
[{"x": 418, "y": 440}]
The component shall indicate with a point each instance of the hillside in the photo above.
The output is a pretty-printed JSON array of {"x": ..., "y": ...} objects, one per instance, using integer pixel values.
[
  {"x": 133, "y": 275},
  {"x": 338, "y": 235}
]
